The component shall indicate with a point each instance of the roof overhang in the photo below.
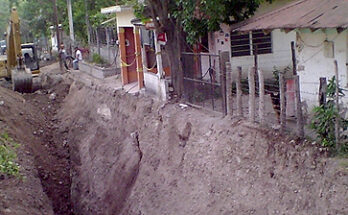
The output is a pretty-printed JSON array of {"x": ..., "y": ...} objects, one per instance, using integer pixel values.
[
  {"x": 312, "y": 14},
  {"x": 116, "y": 9},
  {"x": 109, "y": 20}
]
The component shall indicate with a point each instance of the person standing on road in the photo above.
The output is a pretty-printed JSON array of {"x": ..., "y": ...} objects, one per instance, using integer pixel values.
[
  {"x": 62, "y": 54},
  {"x": 78, "y": 57}
]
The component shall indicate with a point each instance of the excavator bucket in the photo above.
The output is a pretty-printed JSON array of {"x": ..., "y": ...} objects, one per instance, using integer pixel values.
[{"x": 22, "y": 80}]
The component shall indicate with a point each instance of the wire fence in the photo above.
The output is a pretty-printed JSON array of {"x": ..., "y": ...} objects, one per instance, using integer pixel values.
[
  {"x": 104, "y": 36},
  {"x": 278, "y": 103},
  {"x": 282, "y": 102}
]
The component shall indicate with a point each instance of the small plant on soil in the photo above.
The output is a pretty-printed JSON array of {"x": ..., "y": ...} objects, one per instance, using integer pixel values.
[
  {"x": 8, "y": 156},
  {"x": 97, "y": 59},
  {"x": 325, "y": 116}
]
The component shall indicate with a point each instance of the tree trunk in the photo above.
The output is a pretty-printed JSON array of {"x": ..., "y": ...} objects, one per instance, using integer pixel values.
[{"x": 173, "y": 51}]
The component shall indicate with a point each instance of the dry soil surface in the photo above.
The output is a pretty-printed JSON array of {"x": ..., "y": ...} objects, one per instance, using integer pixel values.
[{"x": 99, "y": 151}]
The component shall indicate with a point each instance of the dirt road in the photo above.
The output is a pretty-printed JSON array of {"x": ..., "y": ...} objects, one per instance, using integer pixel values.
[{"x": 97, "y": 150}]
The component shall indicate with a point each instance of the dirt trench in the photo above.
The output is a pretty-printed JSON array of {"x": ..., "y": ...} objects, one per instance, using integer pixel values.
[
  {"x": 98, "y": 151},
  {"x": 132, "y": 155},
  {"x": 30, "y": 119}
]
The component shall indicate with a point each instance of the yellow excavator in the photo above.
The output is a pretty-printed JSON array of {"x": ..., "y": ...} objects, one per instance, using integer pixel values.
[{"x": 20, "y": 62}]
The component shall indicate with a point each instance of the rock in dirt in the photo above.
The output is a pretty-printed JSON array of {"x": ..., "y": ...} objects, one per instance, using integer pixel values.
[
  {"x": 53, "y": 96},
  {"x": 104, "y": 111}
]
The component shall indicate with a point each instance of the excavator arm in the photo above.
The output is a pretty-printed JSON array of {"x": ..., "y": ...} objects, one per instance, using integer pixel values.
[{"x": 21, "y": 76}]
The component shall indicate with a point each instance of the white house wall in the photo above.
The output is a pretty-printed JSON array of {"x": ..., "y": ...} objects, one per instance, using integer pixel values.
[
  {"x": 124, "y": 18},
  {"x": 280, "y": 56},
  {"x": 313, "y": 64}
]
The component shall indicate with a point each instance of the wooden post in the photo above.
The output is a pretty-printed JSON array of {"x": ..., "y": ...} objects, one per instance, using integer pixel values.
[
  {"x": 239, "y": 92},
  {"x": 256, "y": 66},
  {"x": 337, "y": 128},
  {"x": 293, "y": 54},
  {"x": 98, "y": 41},
  {"x": 322, "y": 91},
  {"x": 108, "y": 43},
  {"x": 229, "y": 89},
  {"x": 282, "y": 102},
  {"x": 123, "y": 56},
  {"x": 224, "y": 57},
  {"x": 298, "y": 104},
  {"x": 251, "y": 77},
  {"x": 261, "y": 97},
  {"x": 138, "y": 56}
]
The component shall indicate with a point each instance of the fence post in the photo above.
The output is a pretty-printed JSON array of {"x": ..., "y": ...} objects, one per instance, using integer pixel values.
[
  {"x": 322, "y": 90},
  {"x": 337, "y": 128},
  {"x": 282, "y": 102},
  {"x": 261, "y": 97},
  {"x": 293, "y": 56},
  {"x": 229, "y": 89},
  {"x": 256, "y": 66},
  {"x": 108, "y": 43},
  {"x": 239, "y": 92},
  {"x": 98, "y": 41},
  {"x": 299, "y": 116},
  {"x": 251, "y": 77},
  {"x": 224, "y": 57}
]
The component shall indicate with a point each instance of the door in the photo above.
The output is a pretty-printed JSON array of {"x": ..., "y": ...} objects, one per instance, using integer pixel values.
[{"x": 130, "y": 55}]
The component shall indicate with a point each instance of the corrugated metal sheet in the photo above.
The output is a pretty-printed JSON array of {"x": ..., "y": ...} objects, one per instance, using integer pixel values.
[{"x": 312, "y": 14}]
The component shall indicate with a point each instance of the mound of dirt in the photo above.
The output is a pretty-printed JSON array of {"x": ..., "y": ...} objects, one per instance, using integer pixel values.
[{"x": 132, "y": 155}]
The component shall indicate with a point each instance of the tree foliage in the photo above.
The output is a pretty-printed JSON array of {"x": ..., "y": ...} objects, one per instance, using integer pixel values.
[
  {"x": 197, "y": 17},
  {"x": 37, "y": 15}
]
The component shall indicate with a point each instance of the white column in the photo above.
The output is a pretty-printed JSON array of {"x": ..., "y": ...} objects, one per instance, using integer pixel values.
[
  {"x": 71, "y": 23},
  {"x": 158, "y": 57}
]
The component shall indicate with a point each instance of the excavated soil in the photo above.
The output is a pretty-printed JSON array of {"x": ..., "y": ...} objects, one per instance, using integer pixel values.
[
  {"x": 98, "y": 151},
  {"x": 43, "y": 155}
]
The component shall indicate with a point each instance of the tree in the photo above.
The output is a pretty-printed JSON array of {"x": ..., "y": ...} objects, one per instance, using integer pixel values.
[
  {"x": 38, "y": 15},
  {"x": 191, "y": 19}
]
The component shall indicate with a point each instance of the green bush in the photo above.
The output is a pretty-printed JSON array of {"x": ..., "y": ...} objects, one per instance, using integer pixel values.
[
  {"x": 97, "y": 59},
  {"x": 8, "y": 156},
  {"x": 324, "y": 119}
]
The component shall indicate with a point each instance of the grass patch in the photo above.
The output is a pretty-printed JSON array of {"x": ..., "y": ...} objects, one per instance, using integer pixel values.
[{"x": 8, "y": 156}]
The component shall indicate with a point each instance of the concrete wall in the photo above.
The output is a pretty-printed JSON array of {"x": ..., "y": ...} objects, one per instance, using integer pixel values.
[
  {"x": 108, "y": 54},
  {"x": 155, "y": 86},
  {"x": 313, "y": 62}
]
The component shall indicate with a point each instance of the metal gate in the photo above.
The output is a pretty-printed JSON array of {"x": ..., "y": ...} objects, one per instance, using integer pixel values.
[{"x": 203, "y": 82}]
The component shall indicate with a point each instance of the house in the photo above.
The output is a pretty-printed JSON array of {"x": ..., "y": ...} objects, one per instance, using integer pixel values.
[
  {"x": 142, "y": 61},
  {"x": 319, "y": 30},
  {"x": 272, "y": 49}
]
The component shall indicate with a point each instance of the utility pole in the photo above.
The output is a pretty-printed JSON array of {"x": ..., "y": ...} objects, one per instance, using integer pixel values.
[
  {"x": 57, "y": 31},
  {"x": 71, "y": 23},
  {"x": 87, "y": 23}
]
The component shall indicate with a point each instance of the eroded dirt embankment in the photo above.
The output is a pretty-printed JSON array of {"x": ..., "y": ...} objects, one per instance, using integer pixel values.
[{"x": 131, "y": 155}]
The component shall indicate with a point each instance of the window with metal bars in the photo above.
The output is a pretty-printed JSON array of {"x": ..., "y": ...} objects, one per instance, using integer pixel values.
[{"x": 244, "y": 44}]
